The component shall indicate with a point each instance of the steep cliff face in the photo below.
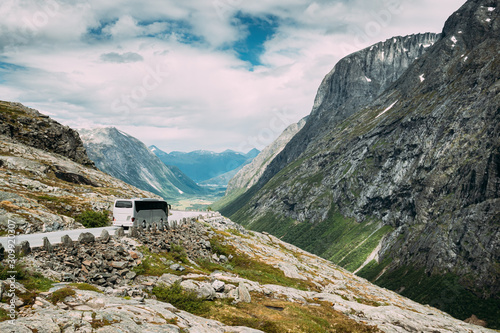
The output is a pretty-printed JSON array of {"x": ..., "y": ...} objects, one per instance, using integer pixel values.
[
  {"x": 250, "y": 173},
  {"x": 126, "y": 158},
  {"x": 412, "y": 180},
  {"x": 30, "y": 127},
  {"x": 355, "y": 81}
]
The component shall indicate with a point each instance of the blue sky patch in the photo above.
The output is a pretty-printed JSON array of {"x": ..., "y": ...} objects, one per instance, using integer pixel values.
[
  {"x": 259, "y": 30},
  {"x": 97, "y": 34},
  {"x": 7, "y": 68}
]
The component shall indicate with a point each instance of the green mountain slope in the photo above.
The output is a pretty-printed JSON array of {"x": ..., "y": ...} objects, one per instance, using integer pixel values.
[{"x": 411, "y": 179}]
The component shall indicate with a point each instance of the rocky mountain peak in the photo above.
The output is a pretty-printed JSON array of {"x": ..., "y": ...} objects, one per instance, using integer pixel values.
[
  {"x": 363, "y": 75},
  {"x": 356, "y": 80},
  {"x": 127, "y": 158},
  {"x": 30, "y": 127},
  {"x": 250, "y": 173},
  {"x": 474, "y": 22}
]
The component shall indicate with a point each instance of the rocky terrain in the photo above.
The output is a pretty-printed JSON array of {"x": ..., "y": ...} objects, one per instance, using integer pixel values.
[
  {"x": 30, "y": 127},
  {"x": 125, "y": 157},
  {"x": 402, "y": 188},
  {"x": 240, "y": 281},
  {"x": 44, "y": 189}
]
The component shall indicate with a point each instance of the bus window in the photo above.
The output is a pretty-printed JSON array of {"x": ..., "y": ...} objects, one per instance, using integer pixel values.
[{"x": 123, "y": 204}]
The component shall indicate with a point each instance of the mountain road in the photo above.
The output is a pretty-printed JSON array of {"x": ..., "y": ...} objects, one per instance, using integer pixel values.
[{"x": 36, "y": 240}]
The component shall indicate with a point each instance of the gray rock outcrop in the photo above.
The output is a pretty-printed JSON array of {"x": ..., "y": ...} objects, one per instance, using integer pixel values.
[{"x": 30, "y": 127}]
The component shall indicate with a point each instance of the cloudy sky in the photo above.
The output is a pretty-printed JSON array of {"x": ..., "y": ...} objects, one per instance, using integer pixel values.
[{"x": 190, "y": 74}]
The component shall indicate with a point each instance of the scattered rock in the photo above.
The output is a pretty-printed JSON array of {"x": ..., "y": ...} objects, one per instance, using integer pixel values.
[
  {"x": 206, "y": 291},
  {"x": 66, "y": 241},
  {"x": 476, "y": 321},
  {"x": 218, "y": 286},
  {"x": 169, "y": 279},
  {"x": 119, "y": 264},
  {"x": 47, "y": 246},
  {"x": 119, "y": 233},
  {"x": 243, "y": 293},
  {"x": 130, "y": 275},
  {"x": 133, "y": 232},
  {"x": 175, "y": 267},
  {"x": 104, "y": 236},
  {"x": 86, "y": 238}
]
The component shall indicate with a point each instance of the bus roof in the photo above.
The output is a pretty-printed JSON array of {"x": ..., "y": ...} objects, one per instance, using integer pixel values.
[{"x": 140, "y": 199}]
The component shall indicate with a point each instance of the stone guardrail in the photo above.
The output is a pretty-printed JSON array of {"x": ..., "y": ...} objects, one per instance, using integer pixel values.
[{"x": 24, "y": 248}]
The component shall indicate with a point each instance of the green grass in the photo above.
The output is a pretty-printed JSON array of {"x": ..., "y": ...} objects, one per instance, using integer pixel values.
[
  {"x": 85, "y": 286},
  {"x": 48, "y": 198},
  {"x": 373, "y": 269},
  {"x": 262, "y": 314},
  {"x": 37, "y": 282},
  {"x": 31, "y": 280},
  {"x": 444, "y": 292},
  {"x": 182, "y": 299},
  {"x": 337, "y": 238},
  {"x": 156, "y": 264},
  {"x": 250, "y": 268},
  {"x": 357, "y": 257},
  {"x": 240, "y": 200},
  {"x": 4, "y": 315},
  {"x": 219, "y": 204}
]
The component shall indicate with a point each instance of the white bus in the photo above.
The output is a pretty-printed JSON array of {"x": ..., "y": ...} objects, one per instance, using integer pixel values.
[{"x": 140, "y": 212}]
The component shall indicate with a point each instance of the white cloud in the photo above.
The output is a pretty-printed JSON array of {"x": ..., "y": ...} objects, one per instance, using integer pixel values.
[{"x": 141, "y": 76}]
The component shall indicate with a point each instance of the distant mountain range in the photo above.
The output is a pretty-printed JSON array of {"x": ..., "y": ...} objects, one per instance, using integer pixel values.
[
  {"x": 250, "y": 173},
  {"x": 206, "y": 166},
  {"x": 125, "y": 157}
]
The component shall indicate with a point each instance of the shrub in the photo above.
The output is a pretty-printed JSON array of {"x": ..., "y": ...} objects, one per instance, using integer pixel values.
[
  {"x": 92, "y": 219},
  {"x": 36, "y": 281},
  {"x": 28, "y": 298},
  {"x": 59, "y": 295},
  {"x": 178, "y": 253},
  {"x": 181, "y": 299},
  {"x": 156, "y": 264},
  {"x": 85, "y": 286},
  {"x": 31, "y": 280},
  {"x": 4, "y": 315}
]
